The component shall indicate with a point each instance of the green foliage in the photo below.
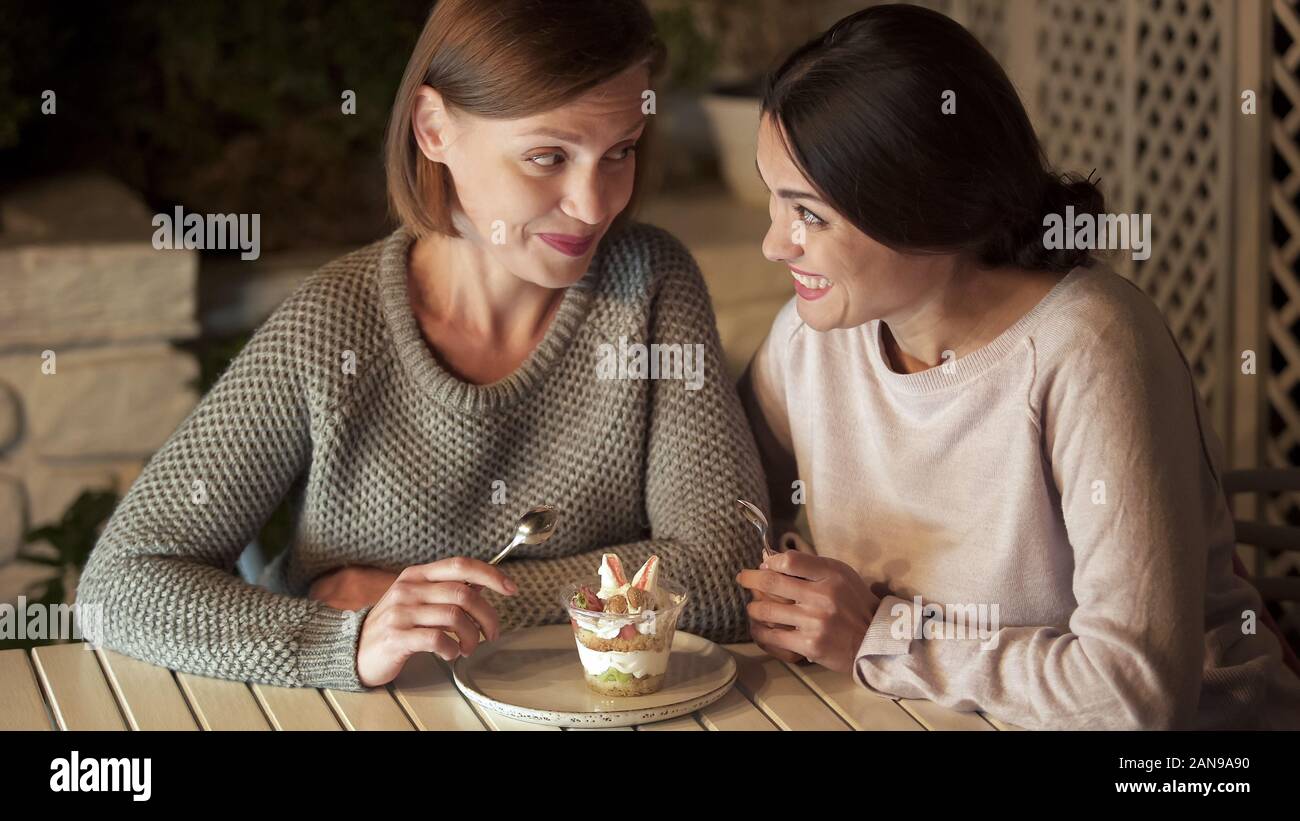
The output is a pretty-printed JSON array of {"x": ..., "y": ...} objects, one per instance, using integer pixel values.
[
  {"x": 691, "y": 55},
  {"x": 72, "y": 537},
  {"x": 219, "y": 106},
  {"x": 20, "y": 34},
  {"x": 214, "y": 355}
]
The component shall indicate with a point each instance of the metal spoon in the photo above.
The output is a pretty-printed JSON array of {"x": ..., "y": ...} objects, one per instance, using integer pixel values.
[
  {"x": 758, "y": 520},
  {"x": 534, "y": 527}
]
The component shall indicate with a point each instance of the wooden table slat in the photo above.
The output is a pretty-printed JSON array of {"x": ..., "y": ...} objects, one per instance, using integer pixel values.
[
  {"x": 780, "y": 694},
  {"x": 295, "y": 708},
  {"x": 75, "y": 686},
  {"x": 934, "y": 717},
  {"x": 148, "y": 694},
  {"x": 687, "y": 723},
  {"x": 22, "y": 707},
  {"x": 734, "y": 712},
  {"x": 375, "y": 709},
  {"x": 222, "y": 704},
  {"x": 862, "y": 709},
  {"x": 78, "y": 692},
  {"x": 426, "y": 691}
]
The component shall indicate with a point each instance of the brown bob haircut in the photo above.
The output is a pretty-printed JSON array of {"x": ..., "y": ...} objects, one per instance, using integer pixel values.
[{"x": 508, "y": 59}]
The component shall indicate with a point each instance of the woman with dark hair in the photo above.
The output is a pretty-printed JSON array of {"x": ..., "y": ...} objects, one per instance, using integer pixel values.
[
  {"x": 1012, "y": 488},
  {"x": 415, "y": 396}
]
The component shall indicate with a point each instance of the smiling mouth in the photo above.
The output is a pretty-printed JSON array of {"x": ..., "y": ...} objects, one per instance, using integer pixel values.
[
  {"x": 812, "y": 282},
  {"x": 568, "y": 244}
]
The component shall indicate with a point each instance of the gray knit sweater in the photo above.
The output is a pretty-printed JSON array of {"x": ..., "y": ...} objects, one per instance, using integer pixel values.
[{"x": 392, "y": 461}]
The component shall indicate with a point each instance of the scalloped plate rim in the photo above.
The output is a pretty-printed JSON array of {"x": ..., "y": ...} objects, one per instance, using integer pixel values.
[{"x": 602, "y": 718}]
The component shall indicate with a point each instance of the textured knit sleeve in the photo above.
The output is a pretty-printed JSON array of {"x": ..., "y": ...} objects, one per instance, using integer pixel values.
[
  {"x": 1135, "y": 466},
  {"x": 163, "y": 571},
  {"x": 700, "y": 458}
]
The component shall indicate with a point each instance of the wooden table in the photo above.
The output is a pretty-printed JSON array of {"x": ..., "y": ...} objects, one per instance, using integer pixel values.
[{"x": 75, "y": 687}]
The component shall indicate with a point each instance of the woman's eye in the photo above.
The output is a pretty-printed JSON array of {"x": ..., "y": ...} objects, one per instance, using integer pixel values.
[
  {"x": 550, "y": 159},
  {"x": 623, "y": 153},
  {"x": 547, "y": 160},
  {"x": 807, "y": 216}
]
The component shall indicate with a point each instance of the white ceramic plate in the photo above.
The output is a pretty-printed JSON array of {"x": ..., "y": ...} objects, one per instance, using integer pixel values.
[{"x": 534, "y": 675}]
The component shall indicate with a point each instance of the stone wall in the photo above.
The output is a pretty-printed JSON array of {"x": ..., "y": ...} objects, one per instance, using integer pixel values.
[{"x": 83, "y": 290}]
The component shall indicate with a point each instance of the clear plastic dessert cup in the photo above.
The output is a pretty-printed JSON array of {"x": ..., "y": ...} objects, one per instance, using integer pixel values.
[{"x": 626, "y": 654}]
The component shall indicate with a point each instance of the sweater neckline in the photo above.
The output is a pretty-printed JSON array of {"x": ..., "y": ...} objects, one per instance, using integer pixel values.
[
  {"x": 967, "y": 367},
  {"x": 435, "y": 380}
]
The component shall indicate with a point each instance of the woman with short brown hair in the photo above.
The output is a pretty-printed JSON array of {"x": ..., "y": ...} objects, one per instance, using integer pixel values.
[{"x": 415, "y": 396}]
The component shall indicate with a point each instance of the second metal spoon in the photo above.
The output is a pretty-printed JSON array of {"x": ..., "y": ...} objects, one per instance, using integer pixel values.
[{"x": 758, "y": 520}]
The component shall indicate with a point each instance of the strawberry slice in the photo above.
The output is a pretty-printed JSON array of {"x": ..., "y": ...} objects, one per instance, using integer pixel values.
[
  {"x": 590, "y": 601},
  {"x": 628, "y": 632},
  {"x": 610, "y": 562},
  {"x": 647, "y": 577}
]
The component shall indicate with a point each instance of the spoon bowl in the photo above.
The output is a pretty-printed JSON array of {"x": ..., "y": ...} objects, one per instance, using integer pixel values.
[
  {"x": 534, "y": 527},
  {"x": 537, "y": 525},
  {"x": 758, "y": 520}
]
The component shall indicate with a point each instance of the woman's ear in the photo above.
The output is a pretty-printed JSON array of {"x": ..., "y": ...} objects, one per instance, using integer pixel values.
[{"x": 430, "y": 123}]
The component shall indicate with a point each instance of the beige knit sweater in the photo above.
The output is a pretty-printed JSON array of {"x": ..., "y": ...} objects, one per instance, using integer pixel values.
[{"x": 392, "y": 461}]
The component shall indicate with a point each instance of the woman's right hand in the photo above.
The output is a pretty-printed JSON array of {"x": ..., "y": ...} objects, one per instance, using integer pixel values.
[
  {"x": 758, "y": 595},
  {"x": 422, "y": 608},
  {"x": 776, "y": 652}
]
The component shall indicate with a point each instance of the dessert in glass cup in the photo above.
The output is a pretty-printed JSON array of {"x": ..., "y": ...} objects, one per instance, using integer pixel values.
[{"x": 624, "y": 629}]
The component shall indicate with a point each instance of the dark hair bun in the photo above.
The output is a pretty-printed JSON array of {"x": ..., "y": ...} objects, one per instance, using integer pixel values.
[{"x": 1021, "y": 242}]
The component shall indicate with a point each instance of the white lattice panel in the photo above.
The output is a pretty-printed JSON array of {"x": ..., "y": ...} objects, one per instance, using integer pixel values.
[
  {"x": 1136, "y": 91},
  {"x": 987, "y": 20},
  {"x": 1282, "y": 435},
  {"x": 1081, "y": 95}
]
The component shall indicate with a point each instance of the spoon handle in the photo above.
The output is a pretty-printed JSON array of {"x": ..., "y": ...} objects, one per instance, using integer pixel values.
[
  {"x": 505, "y": 551},
  {"x": 498, "y": 557}
]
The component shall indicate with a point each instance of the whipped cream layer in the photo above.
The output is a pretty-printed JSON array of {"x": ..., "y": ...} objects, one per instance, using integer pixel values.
[
  {"x": 608, "y": 628},
  {"x": 639, "y": 663}
]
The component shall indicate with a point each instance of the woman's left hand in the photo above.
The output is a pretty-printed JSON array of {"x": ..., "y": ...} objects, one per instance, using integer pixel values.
[
  {"x": 352, "y": 587},
  {"x": 830, "y": 607}
]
